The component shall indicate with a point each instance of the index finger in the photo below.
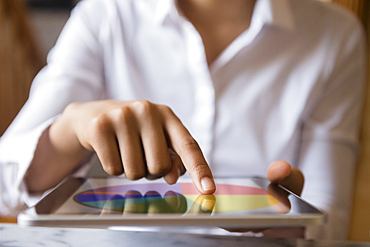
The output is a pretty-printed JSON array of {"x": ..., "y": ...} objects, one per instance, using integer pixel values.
[{"x": 191, "y": 155}]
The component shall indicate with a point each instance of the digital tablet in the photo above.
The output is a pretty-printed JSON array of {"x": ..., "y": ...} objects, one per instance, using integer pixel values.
[{"x": 237, "y": 202}]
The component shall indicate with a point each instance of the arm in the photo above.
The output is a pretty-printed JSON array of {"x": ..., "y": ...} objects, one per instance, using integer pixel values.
[
  {"x": 75, "y": 73},
  {"x": 65, "y": 79}
]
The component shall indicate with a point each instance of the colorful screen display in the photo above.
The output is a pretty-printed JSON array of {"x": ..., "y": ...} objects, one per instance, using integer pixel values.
[{"x": 183, "y": 198}]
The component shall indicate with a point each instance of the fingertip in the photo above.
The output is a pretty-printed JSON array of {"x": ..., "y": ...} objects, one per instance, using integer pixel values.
[
  {"x": 282, "y": 173},
  {"x": 172, "y": 176},
  {"x": 278, "y": 170}
]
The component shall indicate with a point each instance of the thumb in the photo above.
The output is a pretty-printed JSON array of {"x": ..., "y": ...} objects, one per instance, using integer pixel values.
[{"x": 280, "y": 172}]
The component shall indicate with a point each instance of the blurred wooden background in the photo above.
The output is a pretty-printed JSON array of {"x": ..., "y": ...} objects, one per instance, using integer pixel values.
[
  {"x": 360, "y": 222},
  {"x": 20, "y": 59},
  {"x": 357, "y": 6}
]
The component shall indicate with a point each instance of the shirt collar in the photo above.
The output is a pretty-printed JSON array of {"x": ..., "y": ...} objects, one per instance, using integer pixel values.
[
  {"x": 271, "y": 12},
  {"x": 275, "y": 13},
  {"x": 165, "y": 9}
]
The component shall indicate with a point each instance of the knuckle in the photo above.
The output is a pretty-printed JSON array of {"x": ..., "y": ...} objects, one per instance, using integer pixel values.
[
  {"x": 121, "y": 114},
  {"x": 97, "y": 127},
  {"x": 166, "y": 109},
  {"x": 144, "y": 107},
  {"x": 199, "y": 168},
  {"x": 189, "y": 144}
]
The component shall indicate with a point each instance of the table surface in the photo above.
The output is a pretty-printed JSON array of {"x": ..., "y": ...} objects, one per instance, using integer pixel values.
[{"x": 14, "y": 235}]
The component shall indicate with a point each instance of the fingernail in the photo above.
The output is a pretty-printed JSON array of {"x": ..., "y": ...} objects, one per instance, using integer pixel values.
[{"x": 207, "y": 184}]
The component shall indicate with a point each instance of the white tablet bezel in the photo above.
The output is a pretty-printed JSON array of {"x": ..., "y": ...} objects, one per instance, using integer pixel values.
[{"x": 29, "y": 217}]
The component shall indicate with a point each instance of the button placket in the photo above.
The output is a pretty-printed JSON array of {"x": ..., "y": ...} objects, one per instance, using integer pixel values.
[{"x": 204, "y": 110}]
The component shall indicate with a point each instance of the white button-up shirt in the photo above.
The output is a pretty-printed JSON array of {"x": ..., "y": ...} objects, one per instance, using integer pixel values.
[{"x": 288, "y": 88}]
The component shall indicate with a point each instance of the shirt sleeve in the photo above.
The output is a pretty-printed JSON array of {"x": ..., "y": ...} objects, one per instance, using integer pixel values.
[
  {"x": 74, "y": 73},
  {"x": 330, "y": 143}
]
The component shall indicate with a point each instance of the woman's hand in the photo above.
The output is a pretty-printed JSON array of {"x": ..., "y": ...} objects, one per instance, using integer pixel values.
[
  {"x": 280, "y": 172},
  {"x": 137, "y": 138}
]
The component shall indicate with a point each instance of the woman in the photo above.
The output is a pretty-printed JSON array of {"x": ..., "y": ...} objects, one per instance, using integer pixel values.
[{"x": 252, "y": 82}]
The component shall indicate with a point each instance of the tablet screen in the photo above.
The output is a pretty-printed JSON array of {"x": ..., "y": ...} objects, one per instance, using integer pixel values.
[
  {"x": 104, "y": 202},
  {"x": 120, "y": 196}
]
